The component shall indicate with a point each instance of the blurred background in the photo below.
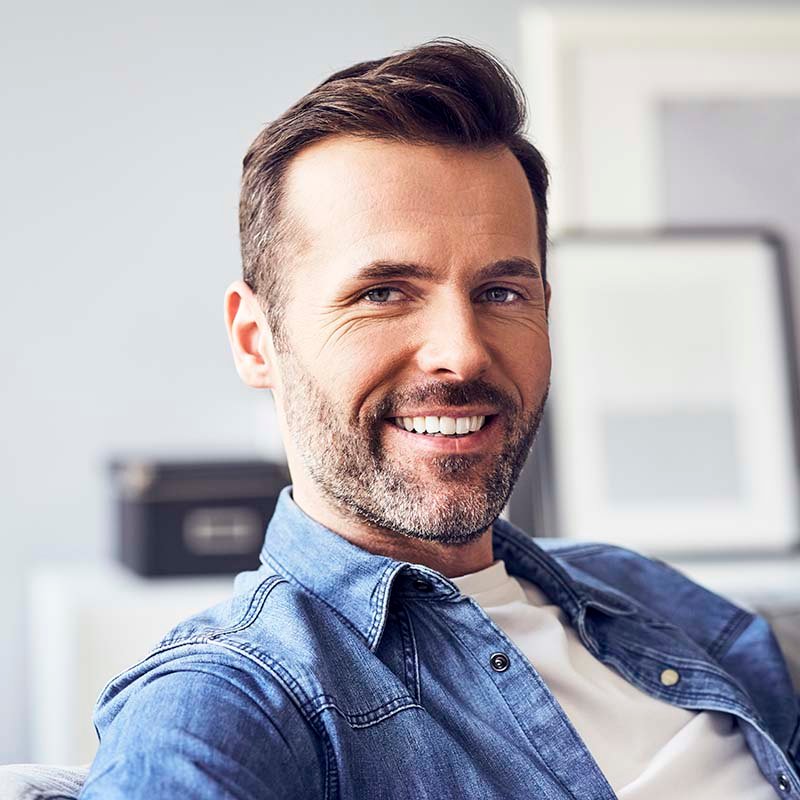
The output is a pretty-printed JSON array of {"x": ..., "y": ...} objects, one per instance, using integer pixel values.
[{"x": 123, "y": 129}]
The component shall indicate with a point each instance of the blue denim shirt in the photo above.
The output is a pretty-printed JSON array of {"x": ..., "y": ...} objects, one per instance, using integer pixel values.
[{"x": 336, "y": 673}]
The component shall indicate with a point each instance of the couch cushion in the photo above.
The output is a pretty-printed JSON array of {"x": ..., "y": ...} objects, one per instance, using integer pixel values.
[{"x": 40, "y": 782}]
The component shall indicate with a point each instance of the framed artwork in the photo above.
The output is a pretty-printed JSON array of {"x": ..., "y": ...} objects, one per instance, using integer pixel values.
[
  {"x": 597, "y": 80},
  {"x": 652, "y": 118},
  {"x": 673, "y": 402}
]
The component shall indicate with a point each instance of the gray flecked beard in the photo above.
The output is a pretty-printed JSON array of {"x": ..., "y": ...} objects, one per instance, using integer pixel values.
[{"x": 349, "y": 464}]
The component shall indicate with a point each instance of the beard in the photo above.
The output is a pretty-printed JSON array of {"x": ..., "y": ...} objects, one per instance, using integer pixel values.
[{"x": 348, "y": 462}]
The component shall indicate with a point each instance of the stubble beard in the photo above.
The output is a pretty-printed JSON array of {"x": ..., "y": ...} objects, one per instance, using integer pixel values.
[{"x": 350, "y": 465}]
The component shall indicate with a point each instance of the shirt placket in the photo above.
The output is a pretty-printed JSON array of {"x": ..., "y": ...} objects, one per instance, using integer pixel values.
[{"x": 556, "y": 745}]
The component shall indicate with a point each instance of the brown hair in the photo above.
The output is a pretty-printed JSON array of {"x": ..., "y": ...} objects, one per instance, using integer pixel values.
[{"x": 443, "y": 92}]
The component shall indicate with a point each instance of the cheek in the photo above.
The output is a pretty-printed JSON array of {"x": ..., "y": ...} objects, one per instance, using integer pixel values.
[
  {"x": 354, "y": 366},
  {"x": 526, "y": 364}
]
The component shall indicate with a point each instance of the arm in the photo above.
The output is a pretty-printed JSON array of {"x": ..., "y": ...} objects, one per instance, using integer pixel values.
[{"x": 202, "y": 728}]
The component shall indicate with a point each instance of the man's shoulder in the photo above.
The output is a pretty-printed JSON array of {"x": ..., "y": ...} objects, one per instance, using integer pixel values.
[
  {"x": 658, "y": 590},
  {"x": 217, "y": 682},
  {"x": 268, "y": 621},
  {"x": 270, "y": 636},
  {"x": 643, "y": 578}
]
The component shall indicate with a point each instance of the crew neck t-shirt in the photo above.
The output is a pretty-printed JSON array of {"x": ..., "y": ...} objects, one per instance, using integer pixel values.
[{"x": 646, "y": 748}]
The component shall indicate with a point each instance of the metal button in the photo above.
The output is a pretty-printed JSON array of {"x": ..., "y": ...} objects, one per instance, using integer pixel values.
[
  {"x": 784, "y": 784},
  {"x": 422, "y": 585},
  {"x": 499, "y": 662},
  {"x": 669, "y": 677}
]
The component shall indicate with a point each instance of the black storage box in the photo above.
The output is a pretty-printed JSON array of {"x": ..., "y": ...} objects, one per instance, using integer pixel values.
[{"x": 194, "y": 518}]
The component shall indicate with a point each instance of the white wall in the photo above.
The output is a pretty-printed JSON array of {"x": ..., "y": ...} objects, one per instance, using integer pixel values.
[{"x": 121, "y": 138}]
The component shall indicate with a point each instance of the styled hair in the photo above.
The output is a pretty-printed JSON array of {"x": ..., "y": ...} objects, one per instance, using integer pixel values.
[{"x": 443, "y": 92}]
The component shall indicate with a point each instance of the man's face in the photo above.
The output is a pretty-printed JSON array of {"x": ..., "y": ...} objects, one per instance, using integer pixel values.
[{"x": 394, "y": 315}]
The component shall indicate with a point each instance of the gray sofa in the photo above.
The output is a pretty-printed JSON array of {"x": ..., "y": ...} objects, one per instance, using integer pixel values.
[{"x": 39, "y": 782}]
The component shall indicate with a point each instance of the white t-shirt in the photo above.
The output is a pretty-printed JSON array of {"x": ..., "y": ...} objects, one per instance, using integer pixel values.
[{"x": 646, "y": 748}]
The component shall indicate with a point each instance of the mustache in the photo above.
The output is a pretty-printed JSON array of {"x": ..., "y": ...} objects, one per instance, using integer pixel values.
[{"x": 445, "y": 393}]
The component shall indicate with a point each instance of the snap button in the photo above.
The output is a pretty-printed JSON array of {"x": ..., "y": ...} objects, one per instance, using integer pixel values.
[
  {"x": 784, "y": 784},
  {"x": 499, "y": 662},
  {"x": 669, "y": 677},
  {"x": 422, "y": 585}
]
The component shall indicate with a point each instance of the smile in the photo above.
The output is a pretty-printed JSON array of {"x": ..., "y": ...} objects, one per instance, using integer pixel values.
[
  {"x": 441, "y": 426},
  {"x": 429, "y": 435}
]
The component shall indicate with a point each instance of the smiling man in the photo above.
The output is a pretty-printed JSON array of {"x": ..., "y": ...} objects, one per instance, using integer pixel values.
[
  {"x": 412, "y": 363},
  {"x": 400, "y": 639}
]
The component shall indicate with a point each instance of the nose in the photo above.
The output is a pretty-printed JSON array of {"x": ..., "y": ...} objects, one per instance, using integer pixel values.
[{"x": 451, "y": 341}]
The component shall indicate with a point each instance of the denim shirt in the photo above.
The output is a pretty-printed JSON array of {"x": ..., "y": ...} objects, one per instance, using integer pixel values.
[{"x": 336, "y": 673}]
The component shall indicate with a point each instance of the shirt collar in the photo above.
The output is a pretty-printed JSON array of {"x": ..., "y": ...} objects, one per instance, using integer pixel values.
[{"x": 359, "y": 585}]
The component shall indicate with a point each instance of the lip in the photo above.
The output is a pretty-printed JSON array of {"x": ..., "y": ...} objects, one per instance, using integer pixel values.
[
  {"x": 441, "y": 411},
  {"x": 473, "y": 443}
]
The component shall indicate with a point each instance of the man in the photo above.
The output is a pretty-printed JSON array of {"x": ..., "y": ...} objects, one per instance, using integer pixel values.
[{"x": 400, "y": 639}]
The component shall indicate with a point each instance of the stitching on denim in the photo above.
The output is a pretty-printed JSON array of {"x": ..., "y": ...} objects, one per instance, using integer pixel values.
[
  {"x": 777, "y": 758},
  {"x": 250, "y": 613},
  {"x": 580, "y": 553},
  {"x": 275, "y": 564},
  {"x": 269, "y": 664},
  {"x": 331, "y": 772},
  {"x": 355, "y": 720},
  {"x": 733, "y": 627},
  {"x": 530, "y": 670},
  {"x": 315, "y": 702},
  {"x": 254, "y": 608},
  {"x": 410, "y": 655},
  {"x": 528, "y": 667},
  {"x": 166, "y": 644},
  {"x": 417, "y": 681},
  {"x": 531, "y": 554},
  {"x": 378, "y": 608},
  {"x": 295, "y": 692},
  {"x": 376, "y": 596},
  {"x": 310, "y": 703},
  {"x": 656, "y": 690},
  {"x": 670, "y": 658},
  {"x": 749, "y": 713}
]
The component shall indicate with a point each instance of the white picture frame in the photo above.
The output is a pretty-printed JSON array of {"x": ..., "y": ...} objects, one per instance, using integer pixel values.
[
  {"x": 596, "y": 78},
  {"x": 673, "y": 396}
]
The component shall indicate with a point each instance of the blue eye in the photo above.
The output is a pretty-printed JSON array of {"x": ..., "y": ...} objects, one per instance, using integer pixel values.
[
  {"x": 502, "y": 298},
  {"x": 378, "y": 296}
]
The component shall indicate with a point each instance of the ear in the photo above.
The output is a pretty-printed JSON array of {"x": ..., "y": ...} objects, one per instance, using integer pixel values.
[{"x": 250, "y": 337}]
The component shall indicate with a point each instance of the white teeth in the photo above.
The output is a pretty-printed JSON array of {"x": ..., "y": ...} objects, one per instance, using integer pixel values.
[
  {"x": 447, "y": 426},
  {"x": 432, "y": 425}
]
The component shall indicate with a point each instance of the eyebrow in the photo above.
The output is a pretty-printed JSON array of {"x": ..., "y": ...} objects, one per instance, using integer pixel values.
[{"x": 517, "y": 267}]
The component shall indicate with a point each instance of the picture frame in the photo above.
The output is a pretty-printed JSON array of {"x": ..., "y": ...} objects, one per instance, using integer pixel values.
[
  {"x": 672, "y": 418},
  {"x": 596, "y": 79}
]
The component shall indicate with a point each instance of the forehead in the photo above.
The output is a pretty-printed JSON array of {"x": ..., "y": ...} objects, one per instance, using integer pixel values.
[{"x": 357, "y": 199}]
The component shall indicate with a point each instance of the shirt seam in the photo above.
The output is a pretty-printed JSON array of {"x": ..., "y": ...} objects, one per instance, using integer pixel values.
[
  {"x": 730, "y": 632},
  {"x": 292, "y": 578},
  {"x": 530, "y": 669},
  {"x": 170, "y": 643},
  {"x": 519, "y": 548},
  {"x": 295, "y": 692}
]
